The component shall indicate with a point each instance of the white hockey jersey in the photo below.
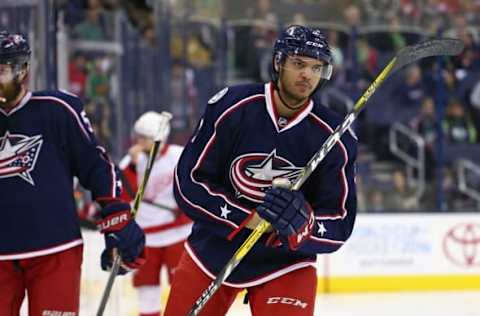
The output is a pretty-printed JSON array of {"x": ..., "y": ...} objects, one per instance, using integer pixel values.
[{"x": 159, "y": 216}]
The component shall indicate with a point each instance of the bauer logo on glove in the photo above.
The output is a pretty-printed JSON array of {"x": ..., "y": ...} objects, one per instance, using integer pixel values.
[{"x": 114, "y": 222}]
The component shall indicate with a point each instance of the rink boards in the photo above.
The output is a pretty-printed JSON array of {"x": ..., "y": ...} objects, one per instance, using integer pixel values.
[
  {"x": 406, "y": 252},
  {"x": 394, "y": 252}
]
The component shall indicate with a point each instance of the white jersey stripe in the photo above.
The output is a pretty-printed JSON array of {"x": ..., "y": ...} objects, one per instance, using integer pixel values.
[
  {"x": 43, "y": 252},
  {"x": 210, "y": 143},
  {"x": 198, "y": 207},
  {"x": 343, "y": 177},
  {"x": 263, "y": 279},
  {"x": 69, "y": 108}
]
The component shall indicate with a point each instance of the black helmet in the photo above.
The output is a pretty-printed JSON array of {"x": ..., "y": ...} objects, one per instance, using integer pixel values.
[{"x": 14, "y": 49}]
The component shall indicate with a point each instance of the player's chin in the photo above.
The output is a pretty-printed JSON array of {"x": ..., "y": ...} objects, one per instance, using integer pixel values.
[
  {"x": 303, "y": 95},
  {"x": 303, "y": 91}
]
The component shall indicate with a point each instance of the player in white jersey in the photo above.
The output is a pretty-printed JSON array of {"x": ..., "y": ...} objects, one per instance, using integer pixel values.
[{"x": 164, "y": 224}]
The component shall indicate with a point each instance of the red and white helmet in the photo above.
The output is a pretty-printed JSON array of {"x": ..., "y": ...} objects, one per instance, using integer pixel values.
[{"x": 149, "y": 125}]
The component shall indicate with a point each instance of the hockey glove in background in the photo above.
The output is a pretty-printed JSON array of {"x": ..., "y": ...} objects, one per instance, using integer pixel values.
[
  {"x": 290, "y": 215},
  {"x": 123, "y": 233}
]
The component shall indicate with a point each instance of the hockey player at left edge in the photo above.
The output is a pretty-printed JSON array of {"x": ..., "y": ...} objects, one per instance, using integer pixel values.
[{"x": 46, "y": 140}]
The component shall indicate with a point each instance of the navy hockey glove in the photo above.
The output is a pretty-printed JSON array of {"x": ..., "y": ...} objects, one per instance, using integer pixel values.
[
  {"x": 289, "y": 213},
  {"x": 123, "y": 233}
]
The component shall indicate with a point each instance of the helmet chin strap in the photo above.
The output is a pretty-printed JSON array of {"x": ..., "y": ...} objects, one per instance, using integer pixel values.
[
  {"x": 276, "y": 87},
  {"x": 288, "y": 106},
  {"x": 275, "y": 74},
  {"x": 296, "y": 106}
]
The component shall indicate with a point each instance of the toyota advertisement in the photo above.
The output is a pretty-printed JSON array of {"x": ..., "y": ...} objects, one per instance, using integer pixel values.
[{"x": 407, "y": 252}]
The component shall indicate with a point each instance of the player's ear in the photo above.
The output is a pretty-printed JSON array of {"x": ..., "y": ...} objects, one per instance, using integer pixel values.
[
  {"x": 276, "y": 62},
  {"x": 22, "y": 74}
]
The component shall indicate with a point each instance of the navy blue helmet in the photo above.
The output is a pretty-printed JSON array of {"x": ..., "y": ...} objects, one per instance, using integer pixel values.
[
  {"x": 14, "y": 49},
  {"x": 302, "y": 41}
]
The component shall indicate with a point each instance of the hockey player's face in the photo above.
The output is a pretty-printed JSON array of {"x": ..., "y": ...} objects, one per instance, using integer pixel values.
[
  {"x": 9, "y": 87},
  {"x": 300, "y": 75},
  {"x": 144, "y": 142}
]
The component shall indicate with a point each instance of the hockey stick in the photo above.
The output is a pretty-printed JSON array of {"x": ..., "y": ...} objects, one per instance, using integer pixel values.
[
  {"x": 158, "y": 143},
  {"x": 161, "y": 206},
  {"x": 407, "y": 55},
  {"x": 126, "y": 185}
]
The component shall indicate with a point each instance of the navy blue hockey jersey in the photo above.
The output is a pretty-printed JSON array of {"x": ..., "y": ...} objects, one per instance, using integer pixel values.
[
  {"x": 44, "y": 142},
  {"x": 240, "y": 145}
]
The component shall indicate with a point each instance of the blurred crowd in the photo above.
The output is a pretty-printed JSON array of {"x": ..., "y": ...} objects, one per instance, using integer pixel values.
[{"x": 437, "y": 99}]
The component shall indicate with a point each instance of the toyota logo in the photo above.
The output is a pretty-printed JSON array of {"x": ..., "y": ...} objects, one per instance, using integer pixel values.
[{"x": 462, "y": 245}]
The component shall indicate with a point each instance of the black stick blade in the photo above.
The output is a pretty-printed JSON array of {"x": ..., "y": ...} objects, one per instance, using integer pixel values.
[{"x": 429, "y": 48}]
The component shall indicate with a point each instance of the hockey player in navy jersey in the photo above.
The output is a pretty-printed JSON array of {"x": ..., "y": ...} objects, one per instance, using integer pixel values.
[
  {"x": 46, "y": 140},
  {"x": 248, "y": 136}
]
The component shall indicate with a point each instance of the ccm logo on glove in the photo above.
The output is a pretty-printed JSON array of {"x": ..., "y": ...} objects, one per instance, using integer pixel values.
[
  {"x": 290, "y": 214},
  {"x": 305, "y": 233}
]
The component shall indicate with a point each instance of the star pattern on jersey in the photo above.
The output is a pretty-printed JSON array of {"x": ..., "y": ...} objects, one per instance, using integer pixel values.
[
  {"x": 267, "y": 171},
  {"x": 225, "y": 211},
  {"x": 18, "y": 155},
  {"x": 118, "y": 185},
  {"x": 321, "y": 229}
]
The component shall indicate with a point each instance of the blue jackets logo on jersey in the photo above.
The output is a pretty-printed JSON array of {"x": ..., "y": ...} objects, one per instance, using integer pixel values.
[
  {"x": 252, "y": 174},
  {"x": 18, "y": 155}
]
